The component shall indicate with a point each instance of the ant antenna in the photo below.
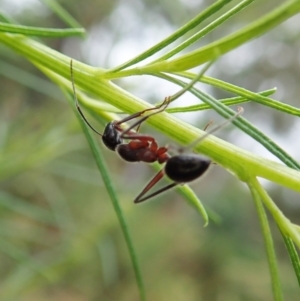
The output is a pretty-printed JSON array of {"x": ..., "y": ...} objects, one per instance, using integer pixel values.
[
  {"x": 240, "y": 111},
  {"x": 77, "y": 103}
]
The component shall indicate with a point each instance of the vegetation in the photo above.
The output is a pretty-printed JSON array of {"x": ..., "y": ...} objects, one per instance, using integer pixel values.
[{"x": 60, "y": 236}]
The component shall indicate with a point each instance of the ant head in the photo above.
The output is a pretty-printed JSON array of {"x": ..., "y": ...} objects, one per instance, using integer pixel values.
[{"x": 111, "y": 137}]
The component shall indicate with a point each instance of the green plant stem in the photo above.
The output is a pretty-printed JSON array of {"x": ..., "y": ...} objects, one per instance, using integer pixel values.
[
  {"x": 270, "y": 249},
  {"x": 226, "y": 101},
  {"x": 256, "y": 97},
  {"x": 62, "y": 13},
  {"x": 40, "y": 32},
  {"x": 113, "y": 196},
  {"x": 293, "y": 255},
  {"x": 283, "y": 223}
]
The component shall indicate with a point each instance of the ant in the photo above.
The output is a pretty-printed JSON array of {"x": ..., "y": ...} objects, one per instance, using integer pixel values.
[{"x": 180, "y": 169}]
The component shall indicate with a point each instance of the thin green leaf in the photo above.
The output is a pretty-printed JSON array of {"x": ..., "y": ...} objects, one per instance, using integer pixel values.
[
  {"x": 177, "y": 34},
  {"x": 270, "y": 249},
  {"x": 39, "y": 31},
  {"x": 293, "y": 255},
  {"x": 62, "y": 13},
  {"x": 230, "y": 13},
  {"x": 226, "y": 101},
  {"x": 266, "y": 101},
  {"x": 188, "y": 193},
  {"x": 287, "y": 228}
]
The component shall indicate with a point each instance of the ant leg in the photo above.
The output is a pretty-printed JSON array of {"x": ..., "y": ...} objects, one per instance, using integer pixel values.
[
  {"x": 159, "y": 191},
  {"x": 138, "y": 123},
  {"x": 208, "y": 124},
  {"x": 155, "y": 179},
  {"x": 163, "y": 105},
  {"x": 160, "y": 108},
  {"x": 240, "y": 111}
]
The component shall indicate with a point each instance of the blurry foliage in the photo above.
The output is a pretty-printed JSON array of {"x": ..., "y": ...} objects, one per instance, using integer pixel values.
[{"x": 59, "y": 242}]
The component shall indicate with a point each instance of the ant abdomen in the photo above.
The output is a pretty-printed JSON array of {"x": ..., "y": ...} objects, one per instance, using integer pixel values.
[{"x": 186, "y": 168}]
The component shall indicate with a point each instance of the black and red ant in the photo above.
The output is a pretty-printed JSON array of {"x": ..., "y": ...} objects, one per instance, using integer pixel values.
[{"x": 182, "y": 168}]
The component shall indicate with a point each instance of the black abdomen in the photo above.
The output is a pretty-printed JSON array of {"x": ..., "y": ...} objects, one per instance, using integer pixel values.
[{"x": 186, "y": 168}]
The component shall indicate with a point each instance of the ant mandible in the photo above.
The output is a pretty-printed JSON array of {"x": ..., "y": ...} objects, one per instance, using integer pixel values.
[{"x": 182, "y": 168}]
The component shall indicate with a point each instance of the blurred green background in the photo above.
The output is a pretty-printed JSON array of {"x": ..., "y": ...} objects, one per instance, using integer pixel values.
[{"x": 59, "y": 236}]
